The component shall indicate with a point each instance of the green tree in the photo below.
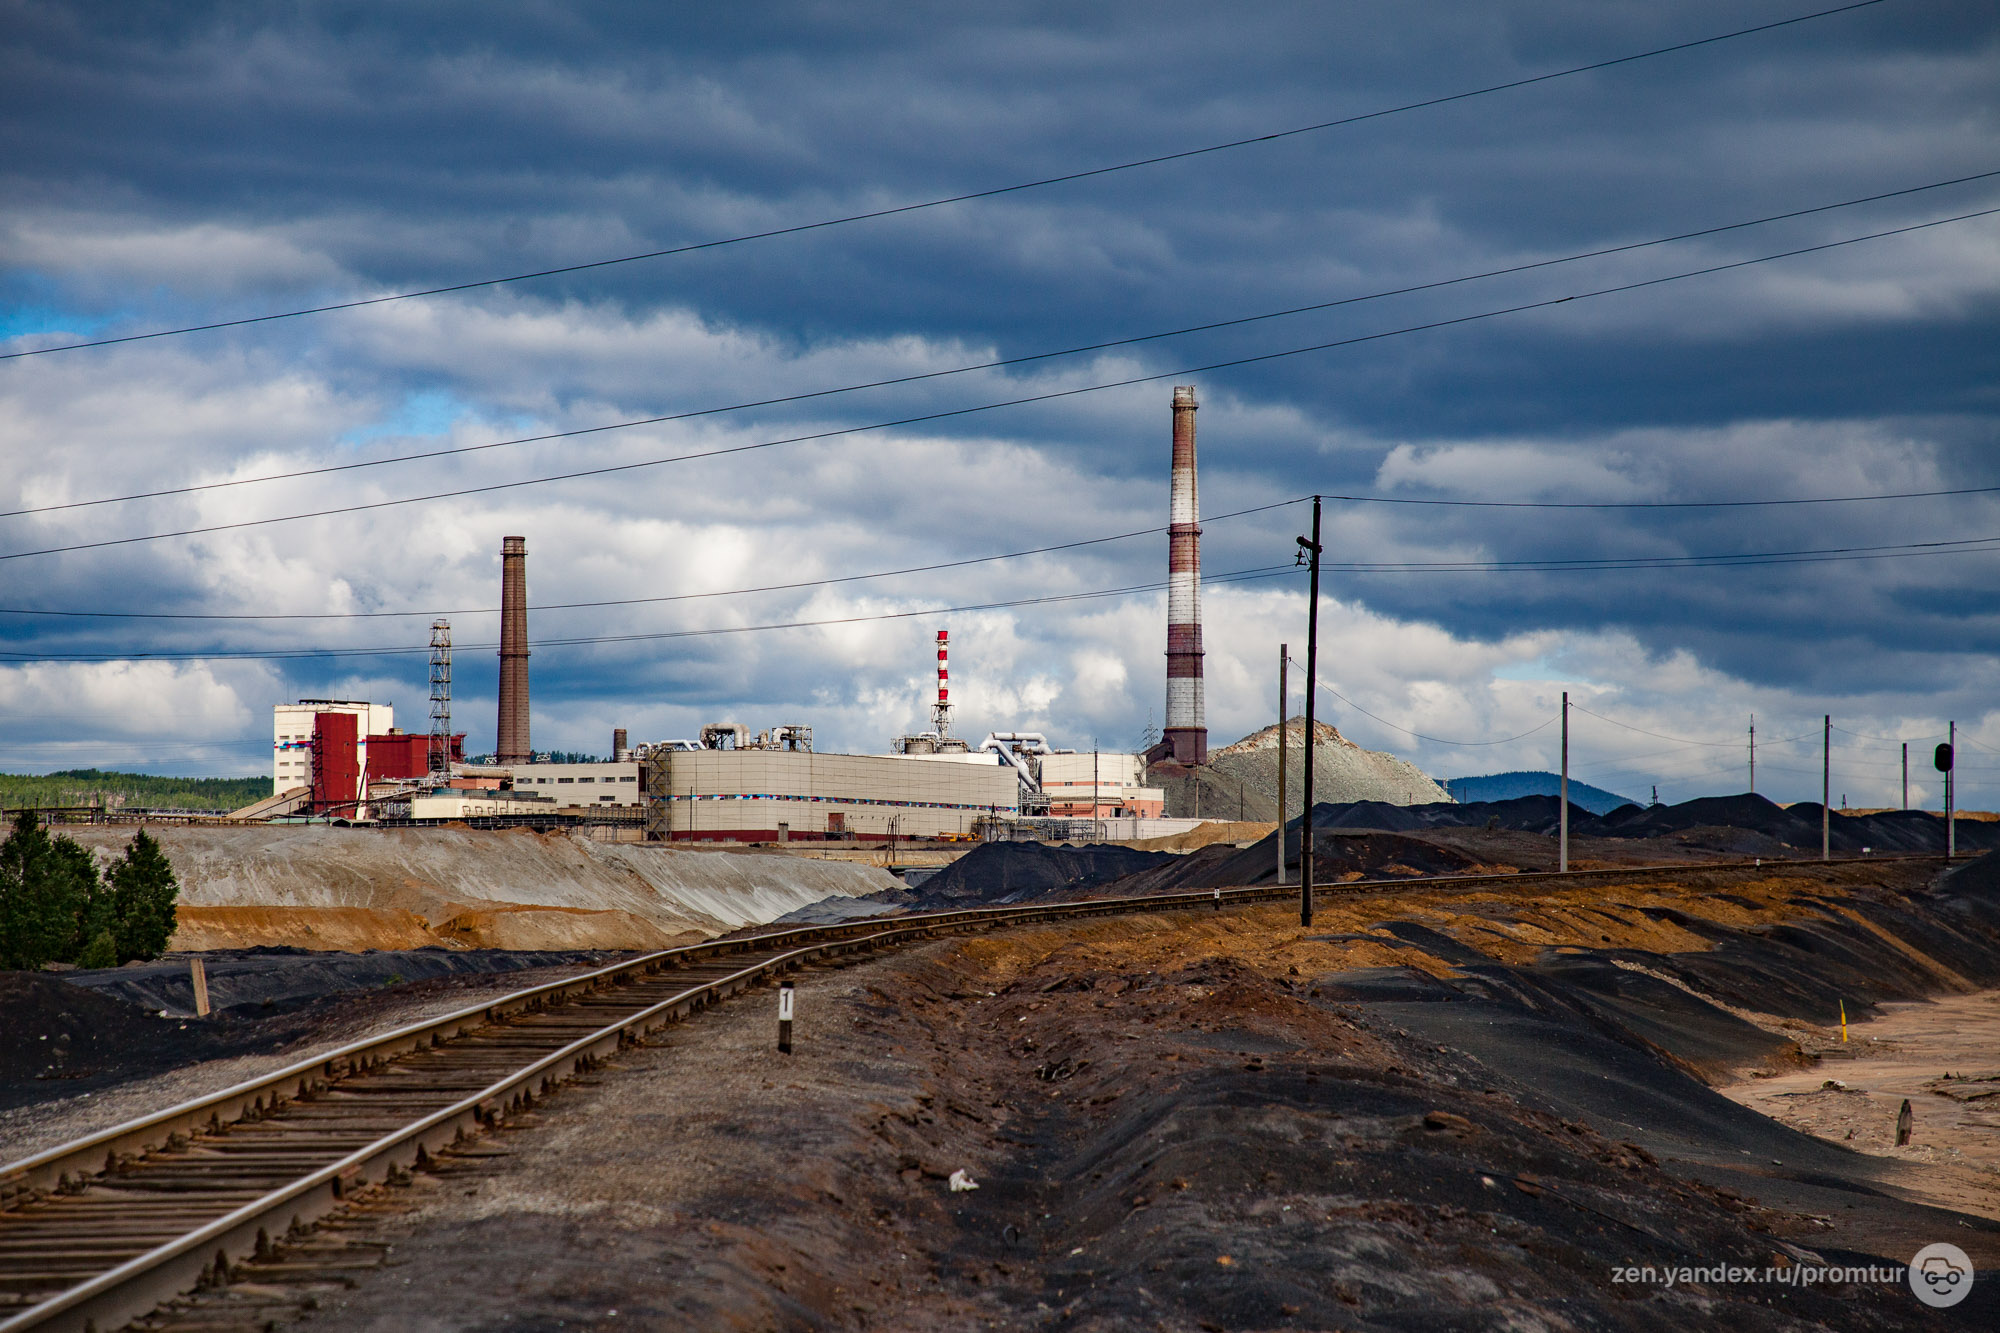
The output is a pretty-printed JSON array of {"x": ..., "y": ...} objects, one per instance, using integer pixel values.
[
  {"x": 141, "y": 900},
  {"x": 49, "y": 894}
]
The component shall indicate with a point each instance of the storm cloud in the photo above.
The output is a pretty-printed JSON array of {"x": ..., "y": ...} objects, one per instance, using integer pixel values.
[{"x": 171, "y": 165}]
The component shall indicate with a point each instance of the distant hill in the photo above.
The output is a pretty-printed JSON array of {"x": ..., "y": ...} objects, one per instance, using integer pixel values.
[
  {"x": 1507, "y": 786},
  {"x": 84, "y": 786}
]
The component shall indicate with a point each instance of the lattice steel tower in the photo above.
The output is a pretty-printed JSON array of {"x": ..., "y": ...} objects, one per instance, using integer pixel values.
[{"x": 440, "y": 755}]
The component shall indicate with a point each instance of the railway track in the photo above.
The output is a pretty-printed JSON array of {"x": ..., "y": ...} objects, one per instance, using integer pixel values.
[{"x": 100, "y": 1231}]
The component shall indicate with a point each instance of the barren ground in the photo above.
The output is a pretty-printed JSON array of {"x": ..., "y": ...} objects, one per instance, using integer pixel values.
[
  {"x": 1185, "y": 1122},
  {"x": 1942, "y": 1056}
]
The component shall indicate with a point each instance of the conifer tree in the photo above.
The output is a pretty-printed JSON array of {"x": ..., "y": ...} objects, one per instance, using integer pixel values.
[
  {"x": 142, "y": 895},
  {"x": 49, "y": 892}
]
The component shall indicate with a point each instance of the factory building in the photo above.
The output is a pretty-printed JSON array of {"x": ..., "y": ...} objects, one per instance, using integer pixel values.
[
  {"x": 776, "y": 795},
  {"x": 1099, "y": 785},
  {"x": 337, "y": 746},
  {"x": 613, "y": 784},
  {"x": 293, "y": 727}
]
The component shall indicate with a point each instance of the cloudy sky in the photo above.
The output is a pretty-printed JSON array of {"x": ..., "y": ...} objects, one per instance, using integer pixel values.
[{"x": 171, "y": 165}]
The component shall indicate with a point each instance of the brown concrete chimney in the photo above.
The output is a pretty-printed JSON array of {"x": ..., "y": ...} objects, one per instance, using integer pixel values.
[
  {"x": 1186, "y": 732},
  {"x": 513, "y": 745}
]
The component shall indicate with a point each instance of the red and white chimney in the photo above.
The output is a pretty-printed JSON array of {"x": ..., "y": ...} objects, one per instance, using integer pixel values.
[
  {"x": 1186, "y": 732},
  {"x": 941, "y": 710}
]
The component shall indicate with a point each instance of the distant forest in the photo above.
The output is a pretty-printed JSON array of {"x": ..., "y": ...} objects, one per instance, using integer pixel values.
[
  {"x": 1507, "y": 786},
  {"x": 84, "y": 786}
]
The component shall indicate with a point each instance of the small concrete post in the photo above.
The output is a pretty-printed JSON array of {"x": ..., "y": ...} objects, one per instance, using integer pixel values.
[
  {"x": 785, "y": 1017},
  {"x": 1218, "y": 900},
  {"x": 199, "y": 976}
]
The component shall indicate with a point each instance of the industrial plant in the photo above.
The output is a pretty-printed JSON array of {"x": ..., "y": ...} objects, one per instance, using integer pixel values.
[{"x": 346, "y": 761}]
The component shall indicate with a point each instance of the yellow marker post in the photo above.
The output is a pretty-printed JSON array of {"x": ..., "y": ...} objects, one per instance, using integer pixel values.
[{"x": 1843, "y": 1020}]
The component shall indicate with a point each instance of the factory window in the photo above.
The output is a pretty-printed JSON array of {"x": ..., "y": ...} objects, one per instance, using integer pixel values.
[
  {"x": 565, "y": 779},
  {"x": 586, "y": 779},
  {"x": 607, "y": 798}
]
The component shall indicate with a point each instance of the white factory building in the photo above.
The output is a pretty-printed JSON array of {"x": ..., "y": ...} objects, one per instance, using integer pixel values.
[
  {"x": 1099, "y": 785},
  {"x": 292, "y": 736},
  {"x": 772, "y": 795},
  {"x": 613, "y": 784}
]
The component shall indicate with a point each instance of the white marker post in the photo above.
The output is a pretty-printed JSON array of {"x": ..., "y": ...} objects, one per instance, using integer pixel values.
[{"x": 785, "y": 1017}]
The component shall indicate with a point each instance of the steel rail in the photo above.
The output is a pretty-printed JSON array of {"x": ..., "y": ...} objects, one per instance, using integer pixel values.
[{"x": 138, "y": 1285}]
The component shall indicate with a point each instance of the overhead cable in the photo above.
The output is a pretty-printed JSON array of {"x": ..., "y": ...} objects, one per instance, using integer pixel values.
[
  {"x": 967, "y": 197},
  {"x": 1803, "y": 555},
  {"x": 640, "y": 601},
  {"x": 269, "y": 655},
  {"x": 1435, "y": 740},
  {"x": 1050, "y": 396},
  {"x": 1030, "y": 358}
]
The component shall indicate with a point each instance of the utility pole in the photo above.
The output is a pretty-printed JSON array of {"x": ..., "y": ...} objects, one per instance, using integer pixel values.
[
  {"x": 1906, "y": 775},
  {"x": 1826, "y": 793},
  {"x": 1284, "y": 660},
  {"x": 1753, "y": 754},
  {"x": 1950, "y": 795},
  {"x": 1309, "y": 549},
  {"x": 1562, "y": 855}
]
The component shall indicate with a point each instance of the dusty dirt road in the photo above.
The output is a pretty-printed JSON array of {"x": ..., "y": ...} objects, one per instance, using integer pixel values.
[
  {"x": 1943, "y": 1057},
  {"x": 1187, "y": 1122}
]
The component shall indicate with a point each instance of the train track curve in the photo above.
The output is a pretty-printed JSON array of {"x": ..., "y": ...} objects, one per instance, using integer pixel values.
[{"x": 102, "y": 1230}]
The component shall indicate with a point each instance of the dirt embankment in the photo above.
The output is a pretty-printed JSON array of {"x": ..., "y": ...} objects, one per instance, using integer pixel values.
[
  {"x": 1463, "y": 1111},
  {"x": 340, "y": 888}
]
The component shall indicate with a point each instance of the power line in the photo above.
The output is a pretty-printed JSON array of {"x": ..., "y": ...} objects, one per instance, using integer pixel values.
[
  {"x": 1660, "y": 735},
  {"x": 1647, "y": 504},
  {"x": 990, "y": 193},
  {"x": 289, "y": 654},
  {"x": 1435, "y": 740},
  {"x": 641, "y": 601},
  {"x": 1050, "y": 396},
  {"x": 1029, "y": 358},
  {"x": 1804, "y": 555}
]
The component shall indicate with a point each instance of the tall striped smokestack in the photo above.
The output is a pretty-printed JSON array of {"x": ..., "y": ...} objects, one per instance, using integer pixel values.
[
  {"x": 1186, "y": 731},
  {"x": 513, "y": 744}
]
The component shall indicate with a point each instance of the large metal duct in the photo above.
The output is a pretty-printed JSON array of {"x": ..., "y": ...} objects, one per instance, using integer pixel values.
[
  {"x": 1186, "y": 732},
  {"x": 513, "y": 747}
]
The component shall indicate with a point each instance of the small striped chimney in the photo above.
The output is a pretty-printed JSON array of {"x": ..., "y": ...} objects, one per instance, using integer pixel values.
[
  {"x": 513, "y": 732},
  {"x": 1186, "y": 732},
  {"x": 941, "y": 710}
]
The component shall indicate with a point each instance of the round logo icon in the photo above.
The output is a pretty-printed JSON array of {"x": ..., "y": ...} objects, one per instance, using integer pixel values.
[{"x": 1941, "y": 1275}]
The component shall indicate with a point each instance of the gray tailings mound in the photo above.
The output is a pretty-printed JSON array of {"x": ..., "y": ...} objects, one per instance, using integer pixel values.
[
  {"x": 271, "y": 979},
  {"x": 1241, "y": 780},
  {"x": 72, "y": 1033},
  {"x": 996, "y": 873},
  {"x": 1377, "y": 840},
  {"x": 1731, "y": 825}
]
